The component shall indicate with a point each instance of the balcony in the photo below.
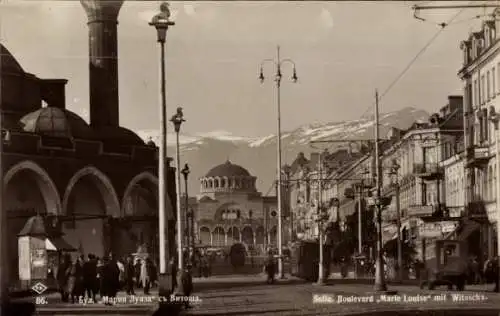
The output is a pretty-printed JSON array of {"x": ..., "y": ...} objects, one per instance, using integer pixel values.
[
  {"x": 476, "y": 210},
  {"x": 478, "y": 156},
  {"x": 428, "y": 171}
]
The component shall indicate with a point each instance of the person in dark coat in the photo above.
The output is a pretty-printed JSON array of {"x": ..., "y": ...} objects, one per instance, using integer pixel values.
[
  {"x": 270, "y": 268},
  {"x": 75, "y": 280},
  {"x": 129, "y": 276},
  {"x": 491, "y": 272},
  {"x": 90, "y": 276},
  {"x": 137, "y": 269},
  {"x": 63, "y": 273},
  {"x": 111, "y": 277},
  {"x": 187, "y": 283}
]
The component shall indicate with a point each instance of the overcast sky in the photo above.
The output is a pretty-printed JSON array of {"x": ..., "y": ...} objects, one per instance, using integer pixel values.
[{"x": 343, "y": 52}]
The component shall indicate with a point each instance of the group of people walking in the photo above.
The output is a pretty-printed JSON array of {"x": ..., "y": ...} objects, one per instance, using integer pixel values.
[{"x": 88, "y": 277}]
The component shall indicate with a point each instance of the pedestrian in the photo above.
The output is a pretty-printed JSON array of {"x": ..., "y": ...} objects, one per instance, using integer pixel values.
[
  {"x": 100, "y": 276},
  {"x": 129, "y": 275},
  {"x": 137, "y": 267},
  {"x": 90, "y": 277},
  {"x": 145, "y": 279},
  {"x": 75, "y": 280},
  {"x": 187, "y": 284},
  {"x": 270, "y": 268},
  {"x": 63, "y": 273}
]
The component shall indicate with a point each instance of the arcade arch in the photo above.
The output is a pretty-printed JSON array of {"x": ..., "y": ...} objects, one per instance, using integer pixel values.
[
  {"x": 29, "y": 190},
  {"x": 91, "y": 198}
]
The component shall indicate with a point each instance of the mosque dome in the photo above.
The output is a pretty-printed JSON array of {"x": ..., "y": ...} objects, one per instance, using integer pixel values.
[
  {"x": 119, "y": 136},
  {"x": 52, "y": 121},
  {"x": 228, "y": 169}
]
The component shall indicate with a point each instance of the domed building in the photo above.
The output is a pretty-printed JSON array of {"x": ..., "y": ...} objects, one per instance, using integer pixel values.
[
  {"x": 231, "y": 210},
  {"x": 93, "y": 184}
]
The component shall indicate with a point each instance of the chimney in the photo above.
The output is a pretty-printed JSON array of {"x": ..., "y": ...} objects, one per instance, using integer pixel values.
[
  {"x": 54, "y": 92},
  {"x": 103, "y": 61}
]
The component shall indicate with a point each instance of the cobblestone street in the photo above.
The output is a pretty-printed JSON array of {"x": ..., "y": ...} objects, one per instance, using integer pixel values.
[{"x": 291, "y": 297}]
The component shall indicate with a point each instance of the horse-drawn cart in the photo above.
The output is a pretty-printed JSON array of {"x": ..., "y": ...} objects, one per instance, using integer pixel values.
[{"x": 448, "y": 267}]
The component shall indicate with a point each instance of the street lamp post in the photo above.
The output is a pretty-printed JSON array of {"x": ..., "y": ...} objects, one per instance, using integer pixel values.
[
  {"x": 321, "y": 271},
  {"x": 185, "y": 172},
  {"x": 177, "y": 119},
  {"x": 394, "y": 171},
  {"x": 278, "y": 63},
  {"x": 161, "y": 22},
  {"x": 495, "y": 118}
]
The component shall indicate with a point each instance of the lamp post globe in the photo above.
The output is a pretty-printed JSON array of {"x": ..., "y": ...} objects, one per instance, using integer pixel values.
[
  {"x": 161, "y": 22},
  {"x": 185, "y": 172}
]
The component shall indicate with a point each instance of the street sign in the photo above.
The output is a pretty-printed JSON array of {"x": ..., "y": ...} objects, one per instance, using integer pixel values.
[{"x": 430, "y": 230}]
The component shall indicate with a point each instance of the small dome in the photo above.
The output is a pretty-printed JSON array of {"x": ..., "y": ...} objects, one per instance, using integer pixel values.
[
  {"x": 228, "y": 170},
  {"x": 58, "y": 122},
  {"x": 119, "y": 136}
]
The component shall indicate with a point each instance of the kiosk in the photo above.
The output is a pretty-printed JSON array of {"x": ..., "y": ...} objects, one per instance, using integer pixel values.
[{"x": 32, "y": 253}]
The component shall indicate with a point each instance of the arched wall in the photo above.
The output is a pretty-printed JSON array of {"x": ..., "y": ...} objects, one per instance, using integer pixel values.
[
  {"x": 104, "y": 185},
  {"x": 46, "y": 185},
  {"x": 145, "y": 176}
]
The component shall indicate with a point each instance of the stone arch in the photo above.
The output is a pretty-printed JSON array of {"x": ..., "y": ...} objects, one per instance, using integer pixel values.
[
  {"x": 260, "y": 235},
  {"x": 104, "y": 185},
  {"x": 47, "y": 186},
  {"x": 273, "y": 235},
  {"x": 210, "y": 183},
  {"x": 218, "y": 236},
  {"x": 247, "y": 235},
  {"x": 233, "y": 234},
  {"x": 205, "y": 235},
  {"x": 145, "y": 176}
]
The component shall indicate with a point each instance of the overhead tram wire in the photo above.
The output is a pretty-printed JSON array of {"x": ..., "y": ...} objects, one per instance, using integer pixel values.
[{"x": 414, "y": 59}]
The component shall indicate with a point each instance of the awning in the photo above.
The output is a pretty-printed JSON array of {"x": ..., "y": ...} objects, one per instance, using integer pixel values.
[
  {"x": 58, "y": 244},
  {"x": 467, "y": 228}
]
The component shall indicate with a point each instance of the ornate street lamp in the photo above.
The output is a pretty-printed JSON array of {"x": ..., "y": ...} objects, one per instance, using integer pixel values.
[
  {"x": 162, "y": 22},
  {"x": 278, "y": 63},
  {"x": 177, "y": 119},
  {"x": 394, "y": 171},
  {"x": 185, "y": 172}
]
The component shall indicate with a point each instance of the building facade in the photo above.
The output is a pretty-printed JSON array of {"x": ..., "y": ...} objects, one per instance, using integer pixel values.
[
  {"x": 230, "y": 210},
  {"x": 95, "y": 185},
  {"x": 480, "y": 74}
]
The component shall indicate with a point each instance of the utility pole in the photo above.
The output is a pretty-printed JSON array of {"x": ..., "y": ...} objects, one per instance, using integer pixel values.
[
  {"x": 360, "y": 225},
  {"x": 380, "y": 285},
  {"x": 321, "y": 271},
  {"x": 400, "y": 242}
]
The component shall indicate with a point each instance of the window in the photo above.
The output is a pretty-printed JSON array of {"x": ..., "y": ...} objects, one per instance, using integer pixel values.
[
  {"x": 493, "y": 83},
  {"x": 476, "y": 93},
  {"x": 482, "y": 88},
  {"x": 488, "y": 85},
  {"x": 498, "y": 77}
]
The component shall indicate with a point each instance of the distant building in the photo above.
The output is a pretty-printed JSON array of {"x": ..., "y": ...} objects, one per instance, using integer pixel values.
[{"x": 231, "y": 210}]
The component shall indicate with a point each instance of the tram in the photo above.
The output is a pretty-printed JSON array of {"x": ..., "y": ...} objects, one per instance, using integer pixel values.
[{"x": 304, "y": 260}]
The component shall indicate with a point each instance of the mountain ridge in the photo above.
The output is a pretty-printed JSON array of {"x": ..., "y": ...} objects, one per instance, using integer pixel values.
[{"x": 258, "y": 154}]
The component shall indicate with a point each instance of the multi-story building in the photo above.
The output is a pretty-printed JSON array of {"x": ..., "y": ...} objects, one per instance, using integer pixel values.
[
  {"x": 480, "y": 75},
  {"x": 413, "y": 175},
  {"x": 305, "y": 175}
]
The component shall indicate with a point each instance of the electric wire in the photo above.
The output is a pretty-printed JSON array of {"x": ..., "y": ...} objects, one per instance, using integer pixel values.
[{"x": 412, "y": 61}]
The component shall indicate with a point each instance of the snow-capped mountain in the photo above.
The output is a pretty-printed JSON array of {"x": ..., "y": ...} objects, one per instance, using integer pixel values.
[{"x": 258, "y": 154}]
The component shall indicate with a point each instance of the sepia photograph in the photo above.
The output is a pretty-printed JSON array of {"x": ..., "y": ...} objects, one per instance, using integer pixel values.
[{"x": 249, "y": 158}]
